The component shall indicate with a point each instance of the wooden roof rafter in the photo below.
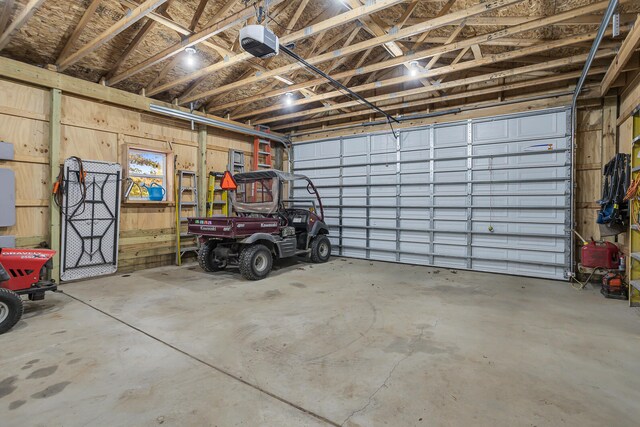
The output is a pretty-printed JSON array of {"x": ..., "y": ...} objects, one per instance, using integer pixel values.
[
  {"x": 416, "y": 55},
  {"x": 626, "y": 52},
  {"x": 439, "y": 71},
  {"x": 256, "y": 65},
  {"x": 127, "y": 21},
  {"x": 241, "y": 57},
  {"x": 405, "y": 32},
  {"x": 328, "y": 12},
  {"x": 75, "y": 35},
  {"x": 5, "y": 15},
  {"x": 135, "y": 42},
  {"x": 17, "y": 23},
  {"x": 192, "y": 40},
  {"x": 575, "y": 59},
  {"x": 494, "y": 88}
]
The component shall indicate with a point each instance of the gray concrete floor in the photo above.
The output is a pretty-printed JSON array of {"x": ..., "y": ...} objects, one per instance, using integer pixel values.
[{"x": 349, "y": 342}]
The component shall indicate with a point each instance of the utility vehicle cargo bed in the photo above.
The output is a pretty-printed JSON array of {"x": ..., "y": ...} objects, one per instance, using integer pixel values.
[{"x": 233, "y": 227}]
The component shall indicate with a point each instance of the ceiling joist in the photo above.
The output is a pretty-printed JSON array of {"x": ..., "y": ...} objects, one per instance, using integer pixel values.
[
  {"x": 127, "y": 21},
  {"x": 420, "y": 55},
  {"x": 24, "y": 15},
  {"x": 405, "y": 32},
  {"x": 576, "y": 59}
]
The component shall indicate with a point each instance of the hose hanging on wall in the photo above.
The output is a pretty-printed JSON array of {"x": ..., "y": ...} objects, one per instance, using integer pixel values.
[
  {"x": 61, "y": 188},
  {"x": 613, "y": 216}
]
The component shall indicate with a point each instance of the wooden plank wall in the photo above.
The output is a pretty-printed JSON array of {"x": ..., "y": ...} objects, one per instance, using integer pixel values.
[
  {"x": 98, "y": 131},
  {"x": 589, "y": 161}
]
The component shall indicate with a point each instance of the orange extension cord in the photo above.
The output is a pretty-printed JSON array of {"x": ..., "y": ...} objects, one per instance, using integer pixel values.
[{"x": 632, "y": 197}]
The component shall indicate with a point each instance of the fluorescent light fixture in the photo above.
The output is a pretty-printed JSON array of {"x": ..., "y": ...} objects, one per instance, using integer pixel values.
[{"x": 284, "y": 80}]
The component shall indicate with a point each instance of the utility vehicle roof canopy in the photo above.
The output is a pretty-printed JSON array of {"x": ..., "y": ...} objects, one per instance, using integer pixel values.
[{"x": 266, "y": 174}]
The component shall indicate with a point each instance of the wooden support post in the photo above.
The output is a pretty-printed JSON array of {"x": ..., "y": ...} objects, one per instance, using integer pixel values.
[
  {"x": 202, "y": 169},
  {"x": 55, "y": 135},
  {"x": 610, "y": 128}
]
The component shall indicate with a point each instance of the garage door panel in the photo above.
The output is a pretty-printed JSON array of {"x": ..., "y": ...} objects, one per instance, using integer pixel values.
[
  {"x": 382, "y": 201},
  {"x": 507, "y": 189},
  {"x": 383, "y": 212},
  {"x": 354, "y": 233},
  {"x": 544, "y": 271},
  {"x": 448, "y": 135},
  {"x": 440, "y": 213},
  {"x": 416, "y": 139},
  {"x": 420, "y": 201},
  {"x": 442, "y": 261},
  {"x": 536, "y": 126},
  {"x": 518, "y": 255},
  {"x": 491, "y": 131},
  {"x": 382, "y": 234},
  {"x": 355, "y": 146},
  {"x": 414, "y": 214},
  {"x": 486, "y": 194},
  {"x": 419, "y": 249},
  {"x": 450, "y": 238},
  {"x": 355, "y": 191},
  {"x": 382, "y": 256},
  {"x": 415, "y": 155},
  {"x": 383, "y": 174},
  {"x": 415, "y": 178},
  {"x": 446, "y": 201},
  {"x": 409, "y": 258},
  {"x": 450, "y": 178},
  {"x": 415, "y": 237},
  {"x": 450, "y": 165},
  {"x": 354, "y": 213},
  {"x": 512, "y": 200},
  {"x": 353, "y": 161},
  {"x": 441, "y": 224},
  {"x": 353, "y": 252},
  {"x": 450, "y": 152},
  {"x": 510, "y": 241},
  {"x": 519, "y": 215},
  {"x": 353, "y": 171},
  {"x": 419, "y": 189},
  {"x": 451, "y": 189},
  {"x": 354, "y": 180},
  {"x": 534, "y": 227},
  {"x": 527, "y": 151},
  {"x": 526, "y": 174},
  {"x": 415, "y": 224}
]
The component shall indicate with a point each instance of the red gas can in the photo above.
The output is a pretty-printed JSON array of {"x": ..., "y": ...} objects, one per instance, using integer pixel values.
[{"x": 600, "y": 254}]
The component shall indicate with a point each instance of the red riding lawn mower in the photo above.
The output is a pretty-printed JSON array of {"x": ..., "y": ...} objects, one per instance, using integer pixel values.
[{"x": 22, "y": 272}]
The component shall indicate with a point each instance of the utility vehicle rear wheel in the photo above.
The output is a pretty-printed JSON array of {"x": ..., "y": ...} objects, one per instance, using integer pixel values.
[
  {"x": 255, "y": 262},
  {"x": 10, "y": 309},
  {"x": 320, "y": 249},
  {"x": 207, "y": 258}
]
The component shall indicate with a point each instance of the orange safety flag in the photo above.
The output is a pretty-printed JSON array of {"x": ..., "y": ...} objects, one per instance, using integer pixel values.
[{"x": 228, "y": 183}]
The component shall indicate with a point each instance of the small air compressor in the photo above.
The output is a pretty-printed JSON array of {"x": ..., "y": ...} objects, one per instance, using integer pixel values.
[{"x": 613, "y": 286}]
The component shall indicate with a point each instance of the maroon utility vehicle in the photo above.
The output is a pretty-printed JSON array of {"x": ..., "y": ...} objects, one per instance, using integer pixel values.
[{"x": 266, "y": 226}]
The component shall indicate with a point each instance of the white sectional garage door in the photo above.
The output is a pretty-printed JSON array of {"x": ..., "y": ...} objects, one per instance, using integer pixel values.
[{"x": 486, "y": 194}]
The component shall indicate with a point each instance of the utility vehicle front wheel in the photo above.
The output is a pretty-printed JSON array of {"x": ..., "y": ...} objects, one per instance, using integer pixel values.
[
  {"x": 255, "y": 262},
  {"x": 207, "y": 259},
  {"x": 10, "y": 309},
  {"x": 320, "y": 249}
]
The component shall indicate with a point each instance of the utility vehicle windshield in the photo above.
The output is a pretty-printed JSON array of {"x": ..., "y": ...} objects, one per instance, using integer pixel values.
[{"x": 257, "y": 196}]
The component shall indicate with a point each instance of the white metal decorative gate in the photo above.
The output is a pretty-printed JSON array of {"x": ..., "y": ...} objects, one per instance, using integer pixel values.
[{"x": 488, "y": 194}]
